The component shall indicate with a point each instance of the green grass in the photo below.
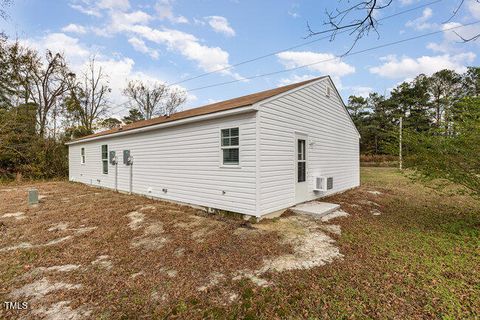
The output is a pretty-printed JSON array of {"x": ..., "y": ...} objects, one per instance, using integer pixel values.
[{"x": 419, "y": 259}]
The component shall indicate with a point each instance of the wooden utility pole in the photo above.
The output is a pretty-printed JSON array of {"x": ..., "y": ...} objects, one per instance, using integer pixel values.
[{"x": 400, "y": 159}]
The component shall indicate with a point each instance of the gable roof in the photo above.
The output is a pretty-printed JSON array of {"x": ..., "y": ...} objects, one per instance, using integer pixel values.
[{"x": 242, "y": 101}]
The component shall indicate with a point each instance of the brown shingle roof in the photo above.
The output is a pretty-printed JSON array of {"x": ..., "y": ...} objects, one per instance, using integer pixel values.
[{"x": 211, "y": 108}]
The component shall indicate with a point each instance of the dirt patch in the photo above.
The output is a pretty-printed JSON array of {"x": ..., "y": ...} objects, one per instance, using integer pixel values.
[
  {"x": 153, "y": 237},
  {"x": 213, "y": 280},
  {"x": 312, "y": 247},
  {"x": 333, "y": 215},
  {"x": 40, "y": 288},
  {"x": 103, "y": 261},
  {"x": 137, "y": 274},
  {"x": 57, "y": 241},
  {"x": 61, "y": 311},
  {"x": 136, "y": 219},
  {"x": 40, "y": 270},
  {"x": 61, "y": 226},
  {"x": 332, "y": 228},
  {"x": 369, "y": 203},
  {"x": 252, "y": 276},
  {"x": 22, "y": 245},
  {"x": 199, "y": 227},
  {"x": 19, "y": 215}
]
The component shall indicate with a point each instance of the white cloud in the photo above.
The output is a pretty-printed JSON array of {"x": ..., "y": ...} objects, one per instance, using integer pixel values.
[
  {"x": 422, "y": 23},
  {"x": 164, "y": 9},
  {"x": 74, "y": 28},
  {"x": 407, "y": 67},
  {"x": 220, "y": 24},
  {"x": 465, "y": 31},
  {"x": 294, "y": 79},
  {"x": 474, "y": 8},
  {"x": 60, "y": 42},
  {"x": 135, "y": 25},
  {"x": 139, "y": 45},
  {"x": 121, "y": 19},
  {"x": 94, "y": 7},
  {"x": 407, "y": 2},
  {"x": 121, "y": 5},
  {"x": 325, "y": 63},
  {"x": 293, "y": 12},
  {"x": 360, "y": 91},
  {"x": 208, "y": 58},
  {"x": 452, "y": 43},
  {"x": 86, "y": 10}
]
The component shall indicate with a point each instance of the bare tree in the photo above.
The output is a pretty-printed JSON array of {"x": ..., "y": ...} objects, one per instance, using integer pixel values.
[
  {"x": 89, "y": 96},
  {"x": 361, "y": 25},
  {"x": 358, "y": 19},
  {"x": 155, "y": 100},
  {"x": 3, "y": 5},
  {"x": 46, "y": 84}
]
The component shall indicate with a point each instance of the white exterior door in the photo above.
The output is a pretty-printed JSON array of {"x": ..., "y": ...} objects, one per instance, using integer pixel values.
[{"x": 301, "y": 184}]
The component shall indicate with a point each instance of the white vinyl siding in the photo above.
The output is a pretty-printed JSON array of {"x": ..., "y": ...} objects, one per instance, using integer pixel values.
[
  {"x": 186, "y": 162},
  {"x": 332, "y": 144},
  {"x": 182, "y": 159}
]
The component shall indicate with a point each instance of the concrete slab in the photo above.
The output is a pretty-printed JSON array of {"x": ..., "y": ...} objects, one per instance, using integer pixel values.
[{"x": 316, "y": 208}]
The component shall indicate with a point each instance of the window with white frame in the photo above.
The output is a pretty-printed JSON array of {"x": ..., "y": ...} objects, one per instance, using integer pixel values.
[
  {"x": 327, "y": 91},
  {"x": 230, "y": 145},
  {"x": 105, "y": 159},
  {"x": 301, "y": 161},
  {"x": 82, "y": 155}
]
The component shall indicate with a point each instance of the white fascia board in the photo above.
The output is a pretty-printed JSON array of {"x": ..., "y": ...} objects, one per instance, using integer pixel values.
[
  {"x": 258, "y": 104},
  {"x": 344, "y": 106},
  {"x": 209, "y": 116}
]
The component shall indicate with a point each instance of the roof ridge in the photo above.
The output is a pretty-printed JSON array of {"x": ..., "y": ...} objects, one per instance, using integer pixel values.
[{"x": 224, "y": 105}]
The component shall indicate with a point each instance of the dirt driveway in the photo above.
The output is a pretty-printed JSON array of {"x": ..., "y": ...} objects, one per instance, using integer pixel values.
[{"x": 85, "y": 252}]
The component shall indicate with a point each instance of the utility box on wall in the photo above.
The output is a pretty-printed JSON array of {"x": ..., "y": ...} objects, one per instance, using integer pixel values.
[
  {"x": 126, "y": 158},
  {"x": 112, "y": 157}
]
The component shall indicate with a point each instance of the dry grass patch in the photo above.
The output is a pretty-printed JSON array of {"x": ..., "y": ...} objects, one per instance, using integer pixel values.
[{"x": 83, "y": 252}]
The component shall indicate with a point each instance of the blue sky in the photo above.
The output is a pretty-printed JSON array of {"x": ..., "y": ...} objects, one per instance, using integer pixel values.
[{"x": 173, "y": 40}]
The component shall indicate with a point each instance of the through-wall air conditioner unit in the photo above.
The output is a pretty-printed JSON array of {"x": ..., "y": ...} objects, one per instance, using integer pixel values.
[{"x": 323, "y": 183}]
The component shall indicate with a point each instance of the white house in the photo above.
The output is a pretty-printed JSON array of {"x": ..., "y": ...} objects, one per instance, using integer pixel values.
[{"x": 255, "y": 155}]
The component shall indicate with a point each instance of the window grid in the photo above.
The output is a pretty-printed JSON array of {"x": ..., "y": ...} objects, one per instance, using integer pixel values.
[
  {"x": 301, "y": 161},
  {"x": 230, "y": 143},
  {"x": 105, "y": 159},
  {"x": 82, "y": 155}
]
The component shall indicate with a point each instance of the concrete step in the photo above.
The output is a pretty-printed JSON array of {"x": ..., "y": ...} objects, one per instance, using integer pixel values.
[{"x": 316, "y": 208}]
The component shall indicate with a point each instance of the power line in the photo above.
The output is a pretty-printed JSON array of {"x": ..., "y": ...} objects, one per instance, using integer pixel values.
[
  {"x": 334, "y": 58},
  {"x": 331, "y": 59},
  {"x": 279, "y": 51},
  {"x": 298, "y": 45}
]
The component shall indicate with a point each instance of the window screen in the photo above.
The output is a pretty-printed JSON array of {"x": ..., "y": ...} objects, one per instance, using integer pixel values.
[
  {"x": 105, "y": 159},
  {"x": 230, "y": 142}
]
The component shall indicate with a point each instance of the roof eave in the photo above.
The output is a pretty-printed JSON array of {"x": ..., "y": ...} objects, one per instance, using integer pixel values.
[{"x": 219, "y": 114}]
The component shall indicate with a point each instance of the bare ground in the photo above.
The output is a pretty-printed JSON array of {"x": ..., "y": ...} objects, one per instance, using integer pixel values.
[
  {"x": 86, "y": 252},
  {"x": 396, "y": 250}
]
